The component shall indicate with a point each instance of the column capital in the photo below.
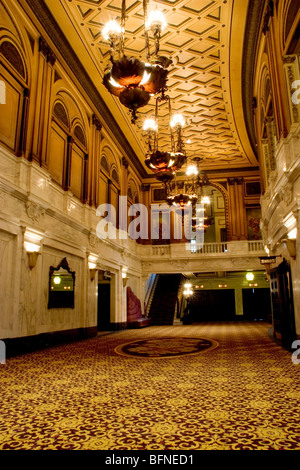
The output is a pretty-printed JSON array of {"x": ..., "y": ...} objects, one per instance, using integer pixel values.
[
  {"x": 145, "y": 188},
  {"x": 125, "y": 163},
  {"x": 46, "y": 51},
  {"x": 96, "y": 123}
]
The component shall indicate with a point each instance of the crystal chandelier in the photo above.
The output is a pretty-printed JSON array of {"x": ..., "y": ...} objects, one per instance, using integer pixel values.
[
  {"x": 131, "y": 80},
  {"x": 165, "y": 163}
]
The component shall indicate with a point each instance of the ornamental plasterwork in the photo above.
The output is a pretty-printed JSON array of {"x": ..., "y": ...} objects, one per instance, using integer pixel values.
[
  {"x": 287, "y": 193},
  {"x": 198, "y": 41},
  {"x": 34, "y": 211}
]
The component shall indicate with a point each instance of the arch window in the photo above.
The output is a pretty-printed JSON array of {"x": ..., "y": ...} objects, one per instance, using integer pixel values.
[
  {"x": 68, "y": 159},
  {"x": 60, "y": 112},
  {"x": 129, "y": 194},
  {"x": 12, "y": 55},
  {"x": 14, "y": 112},
  {"x": 115, "y": 176},
  {"x": 80, "y": 136},
  {"x": 104, "y": 164}
]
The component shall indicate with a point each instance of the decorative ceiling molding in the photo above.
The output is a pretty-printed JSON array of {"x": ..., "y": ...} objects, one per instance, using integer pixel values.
[
  {"x": 199, "y": 42},
  {"x": 252, "y": 31},
  {"x": 50, "y": 25}
]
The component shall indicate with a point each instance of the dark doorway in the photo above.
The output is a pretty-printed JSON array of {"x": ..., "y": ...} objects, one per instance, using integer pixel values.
[
  {"x": 212, "y": 305},
  {"x": 103, "y": 307},
  {"x": 283, "y": 305},
  {"x": 256, "y": 304}
]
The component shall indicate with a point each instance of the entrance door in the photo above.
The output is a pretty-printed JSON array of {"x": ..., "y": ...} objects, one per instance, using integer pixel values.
[
  {"x": 213, "y": 305},
  {"x": 103, "y": 307},
  {"x": 256, "y": 304},
  {"x": 282, "y": 305}
]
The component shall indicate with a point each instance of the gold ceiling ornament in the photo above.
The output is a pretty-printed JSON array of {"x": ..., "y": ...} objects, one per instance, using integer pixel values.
[
  {"x": 165, "y": 163},
  {"x": 132, "y": 80}
]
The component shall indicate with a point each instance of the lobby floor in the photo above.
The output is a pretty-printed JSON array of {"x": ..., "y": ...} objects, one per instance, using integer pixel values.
[{"x": 237, "y": 391}]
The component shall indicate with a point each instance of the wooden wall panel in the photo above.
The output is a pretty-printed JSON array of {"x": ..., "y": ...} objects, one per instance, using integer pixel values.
[
  {"x": 102, "y": 190},
  {"x": 77, "y": 165},
  {"x": 57, "y": 152},
  {"x": 10, "y": 113}
]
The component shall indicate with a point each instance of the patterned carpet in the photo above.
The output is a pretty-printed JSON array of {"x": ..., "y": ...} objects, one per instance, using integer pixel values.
[
  {"x": 241, "y": 395},
  {"x": 165, "y": 347}
]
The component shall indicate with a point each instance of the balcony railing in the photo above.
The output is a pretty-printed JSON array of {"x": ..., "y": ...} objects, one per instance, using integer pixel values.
[{"x": 240, "y": 248}]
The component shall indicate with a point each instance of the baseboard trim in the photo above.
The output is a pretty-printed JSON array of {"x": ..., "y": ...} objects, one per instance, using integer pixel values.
[{"x": 28, "y": 344}]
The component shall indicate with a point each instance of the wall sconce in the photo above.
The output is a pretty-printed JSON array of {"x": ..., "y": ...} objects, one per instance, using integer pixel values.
[
  {"x": 32, "y": 245},
  {"x": 92, "y": 260},
  {"x": 249, "y": 276},
  {"x": 124, "y": 276}
]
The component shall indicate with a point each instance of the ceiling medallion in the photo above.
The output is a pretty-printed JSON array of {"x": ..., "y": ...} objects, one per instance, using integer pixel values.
[{"x": 132, "y": 80}]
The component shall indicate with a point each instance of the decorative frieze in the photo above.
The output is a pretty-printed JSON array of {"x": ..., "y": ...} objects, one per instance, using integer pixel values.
[
  {"x": 34, "y": 211},
  {"x": 291, "y": 68},
  {"x": 287, "y": 193}
]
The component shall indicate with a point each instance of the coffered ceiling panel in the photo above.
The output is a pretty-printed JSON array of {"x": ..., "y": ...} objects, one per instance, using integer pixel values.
[{"x": 204, "y": 41}]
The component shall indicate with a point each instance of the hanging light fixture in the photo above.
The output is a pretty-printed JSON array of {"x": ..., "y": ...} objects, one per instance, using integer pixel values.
[
  {"x": 128, "y": 78},
  {"x": 198, "y": 180},
  {"x": 165, "y": 163}
]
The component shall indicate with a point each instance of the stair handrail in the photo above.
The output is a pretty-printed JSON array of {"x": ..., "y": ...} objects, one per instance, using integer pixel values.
[{"x": 151, "y": 295}]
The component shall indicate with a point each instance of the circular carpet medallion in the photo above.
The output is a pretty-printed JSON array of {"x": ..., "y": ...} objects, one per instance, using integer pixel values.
[{"x": 166, "y": 347}]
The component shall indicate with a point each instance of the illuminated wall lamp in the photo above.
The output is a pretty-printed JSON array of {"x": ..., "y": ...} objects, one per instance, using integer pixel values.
[
  {"x": 124, "y": 277},
  {"x": 32, "y": 245},
  {"x": 93, "y": 266}
]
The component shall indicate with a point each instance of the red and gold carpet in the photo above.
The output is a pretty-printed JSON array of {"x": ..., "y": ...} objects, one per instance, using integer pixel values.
[
  {"x": 242, "y": 393},
  {"x": 165, "y": 347}
]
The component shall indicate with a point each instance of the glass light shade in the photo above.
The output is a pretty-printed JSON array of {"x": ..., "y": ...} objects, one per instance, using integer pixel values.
[
  {"x": 192, "y": 170},
  {"x": 249, "y": 276},
  {"x": 57, "y": 280},
  {"x": 115, "y": 84},
  {"x": 146, "y": 78},
  {"x": 292, "y": 235},
  {"x": 156, "y": 19},
  {"x": 31, "y": 247},
  {"x": 150, "y": 125},
  {"x": 111, "y": 29},
  {"x": 177, "y": 120},
  {"x": 205, "y": 200}
]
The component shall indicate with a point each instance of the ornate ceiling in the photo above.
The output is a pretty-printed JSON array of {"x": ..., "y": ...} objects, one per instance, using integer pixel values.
[{"x": 204, "y": 39}]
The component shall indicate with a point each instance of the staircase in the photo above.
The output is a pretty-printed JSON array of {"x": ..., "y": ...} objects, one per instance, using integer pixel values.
[{"x": 164, "y": 300}]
